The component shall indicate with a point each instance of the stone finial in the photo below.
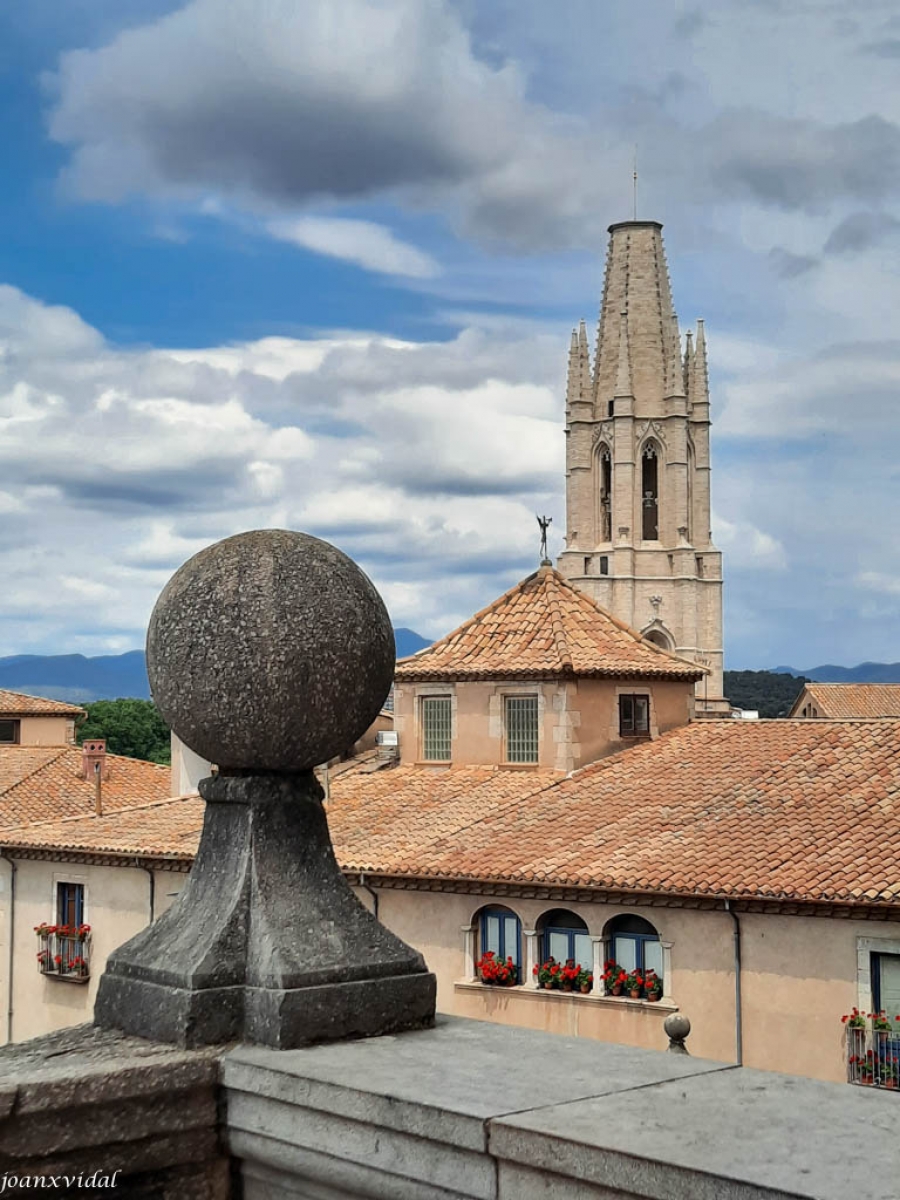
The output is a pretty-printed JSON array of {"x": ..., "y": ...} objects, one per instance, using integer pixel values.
[
  {"x": 677, "y": 1027},
  {"x": 269, "y": 650},
  {"x": 268, "y": 653}
]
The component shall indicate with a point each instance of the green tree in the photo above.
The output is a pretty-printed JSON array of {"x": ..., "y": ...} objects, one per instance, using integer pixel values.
[
  {"x": 131, "y": 727},
  {"x": 769, "y": 692}
]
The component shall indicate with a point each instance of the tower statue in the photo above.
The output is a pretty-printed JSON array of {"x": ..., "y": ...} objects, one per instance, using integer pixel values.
[{"x": 638, "y": 536}]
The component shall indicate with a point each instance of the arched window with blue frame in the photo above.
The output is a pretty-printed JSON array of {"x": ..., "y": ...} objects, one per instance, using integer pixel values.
[
  {"x": 500, "y": 931},
  {"x": 634, "y": 944},
  {"x": 564, "y": 935}
]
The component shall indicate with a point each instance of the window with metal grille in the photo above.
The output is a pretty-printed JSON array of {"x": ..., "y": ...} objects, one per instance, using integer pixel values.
[
  {"x": 522, "y": 729},
  {"x": 634, "y": 716},
  {"x": 435, "y": 712}
]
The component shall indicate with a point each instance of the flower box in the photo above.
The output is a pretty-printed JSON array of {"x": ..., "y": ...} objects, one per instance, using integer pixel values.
[{"x": 64, "y": 952}]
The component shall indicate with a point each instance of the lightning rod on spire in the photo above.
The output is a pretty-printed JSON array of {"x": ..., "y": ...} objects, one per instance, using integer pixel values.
[{"x": 634, "y": 180}]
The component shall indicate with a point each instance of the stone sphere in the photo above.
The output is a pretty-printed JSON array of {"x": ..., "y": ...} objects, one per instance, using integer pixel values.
[
  {"x": 677, "y": 1026},
  {"x": 269, "y": 650}
]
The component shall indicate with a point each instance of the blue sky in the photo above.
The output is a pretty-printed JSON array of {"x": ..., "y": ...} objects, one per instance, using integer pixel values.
[{"x": 316, "y": 265}]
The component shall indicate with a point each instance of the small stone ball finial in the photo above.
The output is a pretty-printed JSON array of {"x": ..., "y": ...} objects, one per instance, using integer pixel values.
[
  {"x": 269, "y": 650},
  {"x": 677, "y": 1027}
]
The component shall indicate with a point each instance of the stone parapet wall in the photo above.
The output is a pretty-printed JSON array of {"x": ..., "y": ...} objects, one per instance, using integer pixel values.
[
  {"x": 465, "y": 1111},
  {"x": 474, "y": 1111},
  {"x": 96, "y": 1113}
]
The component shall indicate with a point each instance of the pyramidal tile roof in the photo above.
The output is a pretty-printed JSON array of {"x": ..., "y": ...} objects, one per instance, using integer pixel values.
[
  {"x": 18, "y": 704},
  {"x": 852, "y": 699},
  {"x": 544, "y": 628}
]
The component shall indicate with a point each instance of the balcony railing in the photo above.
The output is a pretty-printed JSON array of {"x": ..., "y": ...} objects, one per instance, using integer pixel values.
[
  {"x": 64, "y": 952},
  {"x": 873, "y": 1057}
]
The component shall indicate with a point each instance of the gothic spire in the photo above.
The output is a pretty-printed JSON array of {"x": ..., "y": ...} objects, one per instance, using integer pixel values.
[
  {"x": 573, "y": 379},
  {"x": 674, "y": 370},
  {"x": 584, "y": 358},
  {"x": 623, "y": 367},
  {"x": 637, "y": 281},
  {"x": 700, "y": 379},
  {"x": 689, "y": 366}
]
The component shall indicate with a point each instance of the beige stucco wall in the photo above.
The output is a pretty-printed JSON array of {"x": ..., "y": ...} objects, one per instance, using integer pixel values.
[
  {"x": 46, "y": 731},
  {"x": 117, "y": 901},
  {"x": 578, "y": 719},
  {"x": 800, "y": 975}
]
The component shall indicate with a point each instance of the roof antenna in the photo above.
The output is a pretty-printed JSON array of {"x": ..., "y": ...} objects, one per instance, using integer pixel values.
[
  {"x": 634, "y": 180},
  {"x": 544, "y": 523}
]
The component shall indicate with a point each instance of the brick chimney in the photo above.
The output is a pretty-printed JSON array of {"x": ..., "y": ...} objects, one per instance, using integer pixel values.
[{"x": 93, "y": 759}]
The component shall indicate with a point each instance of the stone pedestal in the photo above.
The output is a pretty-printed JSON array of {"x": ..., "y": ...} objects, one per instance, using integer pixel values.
[{"x": 266, "y": 943}]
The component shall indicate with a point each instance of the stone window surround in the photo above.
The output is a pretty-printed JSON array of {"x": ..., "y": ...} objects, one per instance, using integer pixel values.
[
  {"x": 421, "y": 690},
  {"x": 67, "y": 876},
  {"x": 599, "y": 942},
  {"x": 865, "y": 948},
  {"x": 634, "y": 689},
  {"x": 497, "y": 716}
]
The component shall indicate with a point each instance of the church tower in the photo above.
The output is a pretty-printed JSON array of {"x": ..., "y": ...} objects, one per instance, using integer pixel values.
[{"x": 638, "y": 534}]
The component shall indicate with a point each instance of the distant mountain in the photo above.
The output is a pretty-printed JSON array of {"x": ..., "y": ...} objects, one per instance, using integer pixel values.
[
  {"x": 75, "y": 678},
  {"x": 81, "y": 680},
  {"x": 867, "y": 672},
  {"x": 408, "y": 642}
]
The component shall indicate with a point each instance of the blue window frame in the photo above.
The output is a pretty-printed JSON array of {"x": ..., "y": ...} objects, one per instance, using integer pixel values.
[
  {"x": 501, "y": 931},
  {"x": 565, "y": 936},
  {"x": 886, "y": 994},
  {"x": 635, "y": 945},
  {"x": 70, "y": 904}
]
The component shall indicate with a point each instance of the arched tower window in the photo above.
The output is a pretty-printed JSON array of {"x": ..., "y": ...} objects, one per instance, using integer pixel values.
[
  {"x": 690, "y": 493},
  {"x": 603, "y": 477},
  {"x": 659, "y": 638},
  {"x": 650, "y": 492}
]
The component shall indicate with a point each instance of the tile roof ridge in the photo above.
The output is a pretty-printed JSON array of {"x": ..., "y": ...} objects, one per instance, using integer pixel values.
[
  {"x": 557, "y": 623},
  {"x": 467, "y": 624}
]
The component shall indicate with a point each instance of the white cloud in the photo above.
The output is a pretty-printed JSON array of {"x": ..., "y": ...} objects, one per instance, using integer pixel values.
[
  {"x": 139, "y": 458},
  {"x": 363, "y": 242},
  {"x": 745, "y": 546}
]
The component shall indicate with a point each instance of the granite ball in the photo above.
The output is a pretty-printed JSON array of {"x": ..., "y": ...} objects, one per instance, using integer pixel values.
[
  {"x": 270, "y": 650},
  {"x": 677, "y": 1026}
]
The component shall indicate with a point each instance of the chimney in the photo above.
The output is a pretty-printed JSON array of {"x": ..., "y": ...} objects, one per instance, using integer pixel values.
[{"x": 93, "y": 759}]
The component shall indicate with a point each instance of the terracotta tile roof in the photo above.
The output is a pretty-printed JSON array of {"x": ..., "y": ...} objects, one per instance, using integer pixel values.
[
  {"x": 398, "y": 818},
  {"x": 796, "y": 810},
  {"x": 163, "y": 829},
  {"x": 851, "y": 699},
  {"x": 18, "y": 704},
  {"x": 544, "y": 628},
  {"x": 44, "y": 783}
]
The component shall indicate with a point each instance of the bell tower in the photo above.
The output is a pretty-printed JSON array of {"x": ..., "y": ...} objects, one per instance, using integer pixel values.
[{"x": 638, "y": 536}]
